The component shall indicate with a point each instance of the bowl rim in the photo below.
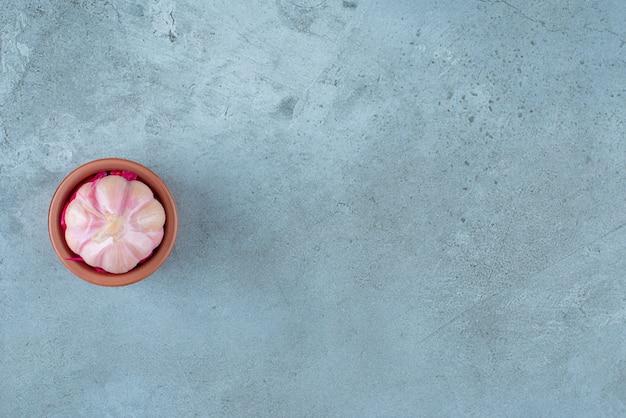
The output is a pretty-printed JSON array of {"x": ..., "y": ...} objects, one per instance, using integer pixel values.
[{"x": 57, "y": 235}]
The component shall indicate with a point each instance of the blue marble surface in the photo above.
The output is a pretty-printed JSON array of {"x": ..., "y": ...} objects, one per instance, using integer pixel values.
[{"x": 398, "y": 209}]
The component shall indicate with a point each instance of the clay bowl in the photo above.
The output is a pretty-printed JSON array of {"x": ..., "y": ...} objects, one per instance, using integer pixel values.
[{"x": 57, "y": 234}]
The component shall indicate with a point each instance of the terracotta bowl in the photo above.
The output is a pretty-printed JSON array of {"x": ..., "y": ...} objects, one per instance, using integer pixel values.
[{"x": 57, "y": 234}]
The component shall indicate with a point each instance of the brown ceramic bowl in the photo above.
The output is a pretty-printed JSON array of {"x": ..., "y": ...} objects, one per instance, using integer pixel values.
[{"x": 57, "y": 234}]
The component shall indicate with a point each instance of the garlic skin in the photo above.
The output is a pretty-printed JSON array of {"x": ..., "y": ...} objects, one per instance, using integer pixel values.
[{"x": 114, "y": 223}]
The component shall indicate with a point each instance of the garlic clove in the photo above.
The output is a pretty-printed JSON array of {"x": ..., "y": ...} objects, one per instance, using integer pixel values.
[
  {"x": 110, "y": 194},
  {"x": 138, "y": 194},
  {"x": 117, "y": 260},
  {"x": 141, "y": 244},
  {"x": 79, "y": 214},
  {"x": 110, "y": 256},
  {"x": 150, "y": 217}
]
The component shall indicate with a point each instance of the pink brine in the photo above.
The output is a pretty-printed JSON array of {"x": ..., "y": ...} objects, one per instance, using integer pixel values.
[{"x": 114, "y": 222}]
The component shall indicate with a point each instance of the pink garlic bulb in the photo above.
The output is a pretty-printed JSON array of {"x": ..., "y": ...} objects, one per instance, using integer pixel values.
[{"x": 114, "y": 223}]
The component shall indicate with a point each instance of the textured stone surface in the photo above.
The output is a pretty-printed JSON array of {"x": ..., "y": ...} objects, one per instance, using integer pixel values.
[{"x": 385, "y": 210}]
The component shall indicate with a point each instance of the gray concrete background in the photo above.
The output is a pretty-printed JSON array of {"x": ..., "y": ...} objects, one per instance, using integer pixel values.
[{"x": 410, "y": 208}]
